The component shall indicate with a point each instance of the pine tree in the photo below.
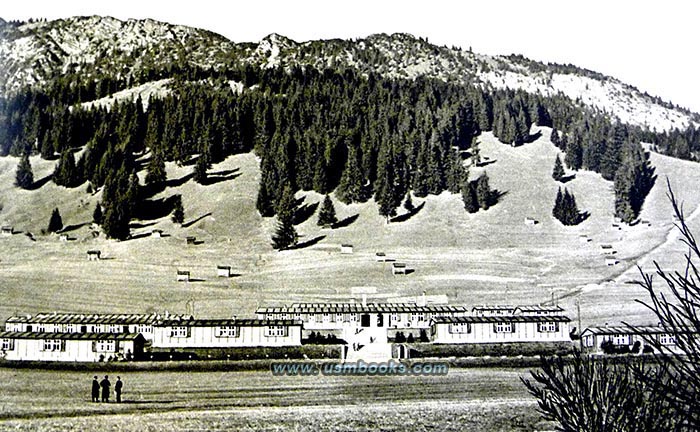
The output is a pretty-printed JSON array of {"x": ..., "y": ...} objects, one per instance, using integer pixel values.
[
  {"x": 156, "y": 175},
  {"x": 522, "y": 129},
  {"x": 633, "y": 181},
  {"x": 285, "y": 236},
  {"x": 558, "y": 210},
  {"x": 351, "y": 187},
  {"x": 326, "y": 216},
  {"x": 484, "y": 195},
  {"x": 55, "y": 223},
  {"x": 24, "y": 177},
  {"x": 119, "y": 200},
  {"x": 612, "y": 158},
  {"x": 178, "y": 215},
  {"x": 265, "y": 200},
  {"x": 97, "y": 216},
  {"x": 471, "y": 203},
  {"x": 200, "y": 169},
  {"x": 65, "y": 173},
  {"x": 385, "y": 188},
  {"x": 565, "y": 209},
  {"x": 133, "y": 192},
  {"x": 408, "y": 203},
  {"x": 554, "y": 137},
  {"x": 574, "y": 154},
  {"x": 558, "y": 171},
  {"x": 455, "y": 174}
]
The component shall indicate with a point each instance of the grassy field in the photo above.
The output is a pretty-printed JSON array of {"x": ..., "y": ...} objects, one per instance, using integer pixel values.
[
  {"x": 489, "y": 257},
  {"x": 465, "y": 399}
]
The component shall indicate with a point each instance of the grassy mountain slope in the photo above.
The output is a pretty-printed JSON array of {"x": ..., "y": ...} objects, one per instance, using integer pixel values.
[{"x": 488, "y": 257}]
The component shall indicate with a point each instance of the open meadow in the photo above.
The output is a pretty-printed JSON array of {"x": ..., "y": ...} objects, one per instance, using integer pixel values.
[
  {"x": 491, "y": 257},
  {"x": 465, "y": 399}
]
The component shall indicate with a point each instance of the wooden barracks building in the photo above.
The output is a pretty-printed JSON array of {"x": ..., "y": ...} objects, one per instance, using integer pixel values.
[{"x": 95, "y": 337}]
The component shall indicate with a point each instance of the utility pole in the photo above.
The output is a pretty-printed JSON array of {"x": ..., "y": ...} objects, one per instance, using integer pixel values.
[{"x": 578, "y": 310}]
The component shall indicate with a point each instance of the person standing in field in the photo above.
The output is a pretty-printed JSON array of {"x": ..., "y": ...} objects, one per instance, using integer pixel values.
[
  {"x": 95, "y": 389},
  {"x": 105, "y": 384},
  {"x": 118, "y": 389}
]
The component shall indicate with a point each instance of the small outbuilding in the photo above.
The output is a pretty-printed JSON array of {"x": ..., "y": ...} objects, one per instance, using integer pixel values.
[
  {"x": 63, "y": 237},
  {"x": 531, "y": 221},
  {"x": 399, "y": 268},
  {"x": 610, "y": 261},
  {"x": 346, "y": 249},
  {"x": 183, "y": 276},
  {"x": 94, "y": 255},
  {"x": 190, "y": 240},
  {"x": 156, "y": 233},
  {"x": 223, "y": 271},
  {"x": 380, "y": 257},
  {"x": 7, "y": 230}
]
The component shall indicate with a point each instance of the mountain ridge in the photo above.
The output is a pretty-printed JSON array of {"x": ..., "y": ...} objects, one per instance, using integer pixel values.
[{"x": 37, "y": 52}]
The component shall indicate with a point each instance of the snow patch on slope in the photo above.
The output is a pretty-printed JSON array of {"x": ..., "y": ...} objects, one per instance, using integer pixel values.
[
  {"x": 610, "y": 96},
  {"x": 145, "y": 91}
]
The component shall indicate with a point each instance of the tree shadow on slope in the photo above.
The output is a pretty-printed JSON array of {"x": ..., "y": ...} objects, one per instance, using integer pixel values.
[
  {"x": 568, "y": 178},
  {"x": 495, "y": 196},
  {"x": 73, "y": 227},
  {"x": 304, "y": 212},
  {"x": 179, "y": 182},
  {"x": 194, "y": 221},
  {"x": 151, "y": 209},
  {"x": 221, "y": 176},
  {"x": 308, "y": 243},
  {"x": 346, "y": 222},
  {"x": 409, "y": 215},
  {"x": 40, "y": 183},
  {"x": 534, "y": 137}
]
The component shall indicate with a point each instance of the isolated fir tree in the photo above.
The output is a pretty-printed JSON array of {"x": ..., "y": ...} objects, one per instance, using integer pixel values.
[
  {"x": 554, "y": 138},
  {"x": 612, "y": 157},
  {"x": 265, "y": 202},
  {"x": 558, "y": 171},
  {"x": 574, "y": 154},
  {"x": 326, "y": 216},
  {"x": 484, "y": 195},
  {"x": 133, "y": 192},
  {"x": 565, "y": 209},
  {"x": 633, "y": 181},
  {"x": 97, "y": 215},
  {"x": 178, "y": 215},
  {"x": 471, "y": 202},
  {"x": 156, "y": 175},
  {"x": 285, "y": 236},
  {"x": 522, "y": 129},
  {"x": 24, "y": 177},
  {"x": 66, "y": 173},
  {"x": 119, "y": 198},
  {"x": 46, "y": 149},
  {"x": 200, "y": 169},
  {"x": 55, "y": 223},
  {"x": 408, "y": 203},
  {"x": 476, "y": 153},
  {"x": 351, "y": 187}
]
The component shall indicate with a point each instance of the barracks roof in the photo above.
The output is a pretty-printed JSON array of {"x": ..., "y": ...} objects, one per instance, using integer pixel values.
[
  {"x": 309, "y": 308},
  {"x": 473, "y": 319},
  {"x": 225, "y": 322},
  {"x": 621, "y": 330},
  {"x": 70, "y": 336},
  {"x": 73, "y": 318}
]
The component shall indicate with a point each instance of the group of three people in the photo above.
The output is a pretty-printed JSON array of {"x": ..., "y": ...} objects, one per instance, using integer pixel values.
[{"x": 105, "y": 385}]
